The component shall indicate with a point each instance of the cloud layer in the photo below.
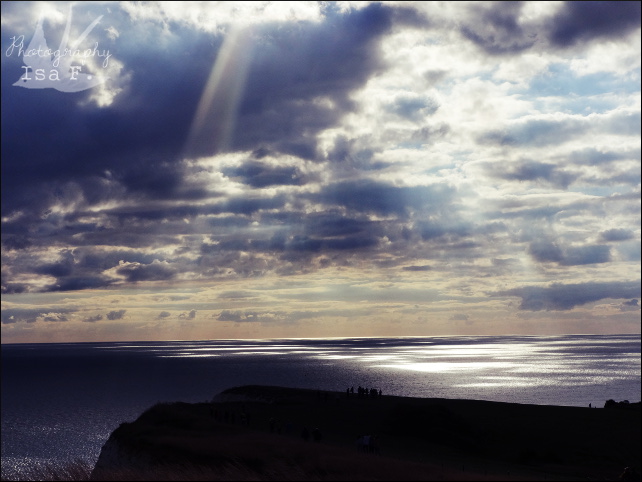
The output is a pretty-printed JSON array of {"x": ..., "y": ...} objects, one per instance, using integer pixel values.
[{"x": 326, "y": 165}]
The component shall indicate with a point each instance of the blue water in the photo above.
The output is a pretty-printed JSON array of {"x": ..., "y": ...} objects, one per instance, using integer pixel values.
[{"x": 61, "y": 401}]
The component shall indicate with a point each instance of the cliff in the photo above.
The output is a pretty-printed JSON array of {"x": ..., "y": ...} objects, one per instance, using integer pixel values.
[{"x": 274, "y": 433}]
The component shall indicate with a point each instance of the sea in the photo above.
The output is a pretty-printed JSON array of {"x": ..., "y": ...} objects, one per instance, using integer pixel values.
[{"x": 60, "y": 402}]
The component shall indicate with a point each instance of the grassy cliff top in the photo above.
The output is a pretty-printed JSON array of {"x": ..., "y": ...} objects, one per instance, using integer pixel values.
[{"x": 259, "y": 433}]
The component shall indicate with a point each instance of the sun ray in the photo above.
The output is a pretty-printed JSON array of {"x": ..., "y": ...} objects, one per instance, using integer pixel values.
[{"x": 213, "y": 123}]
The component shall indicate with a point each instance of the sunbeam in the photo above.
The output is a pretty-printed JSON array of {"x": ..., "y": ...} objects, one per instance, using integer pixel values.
[{"x": 213, "y": 124}]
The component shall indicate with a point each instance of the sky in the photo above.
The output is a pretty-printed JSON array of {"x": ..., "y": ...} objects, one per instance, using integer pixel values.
[{"x": 208, "y": 170}]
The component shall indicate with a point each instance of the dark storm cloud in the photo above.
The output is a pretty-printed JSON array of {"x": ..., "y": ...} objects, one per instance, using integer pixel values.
[
  {"x": 354, "y": 242},
  {"x": 10, "y": 287},
  {"x": 311, "y": 240},
  {"x": 70, "y": 274},
  {"x": 164, "y": 314},
  {"x": 91, "y": 258},
  {"x": 331, "y": 224},
  {"x": 417, "y": 268},
  {"x": 631, "y": 305},
  {"x": 548, "y": 251},
  {"x": 616, "y": 235},
  {"x": 579, "y": 255},
  {"x": 493, "y": 26},
  {"x": 93, "y": 319},
  {"x": 545, "y": 251},
  {"x": 527, "y": 170},
  {"x": 55, "y": 317},
  {"x": 97, "y": 181},
  {"x": 72, "y": 283},
  {"x": 156, "y": 178},
  {"x": 129, "y": 147},
  {"x": 257, "y": 174},
  {"x": 189, "y": 315},
  {"x": 432, "y": 230},
  {"x": 15, "y": 242},
  {"x": 229, "y": 222},
  {"x": 231, "y": 316},
  {"x": 295, "y": 64},
  {"x": 567, "y": 296},
  {"x": 408, "y": 16},
  {"x": 156, "y": 271},
  {"x": 81, "y": 268},
  {"x": 536, "y": 132},
  {"x": 132, "y": 147},
  {"x": 116, "y": 314},
  {"x": 581, "y": 21},
  {"x": 348, "y": 154},
  {"x": 62, "y": 268},
  {"x": 367, "y": 196},
  {"x": 247, "y": 206},
  {"x": 496, "y": 29},
  {"x": 61, "y": 150},
  {"x": 13, "y": 315}
]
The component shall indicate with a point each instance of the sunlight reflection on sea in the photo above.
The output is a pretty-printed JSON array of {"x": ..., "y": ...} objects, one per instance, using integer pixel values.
[{"x": 61, "y": 402}]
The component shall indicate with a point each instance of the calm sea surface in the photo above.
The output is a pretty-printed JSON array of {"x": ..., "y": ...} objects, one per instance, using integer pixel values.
[{"x": 61, "y": 401}]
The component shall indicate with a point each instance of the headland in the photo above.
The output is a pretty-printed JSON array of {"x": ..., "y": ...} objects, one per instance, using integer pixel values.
[{"x": 277, "y": 433}]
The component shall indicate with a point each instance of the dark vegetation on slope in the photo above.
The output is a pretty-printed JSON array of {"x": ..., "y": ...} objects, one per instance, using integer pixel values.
[{"x": 256, "y": 433}]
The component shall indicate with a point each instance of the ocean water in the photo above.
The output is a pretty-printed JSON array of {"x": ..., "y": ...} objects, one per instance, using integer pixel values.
[{"x": 60, "y": 402}]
